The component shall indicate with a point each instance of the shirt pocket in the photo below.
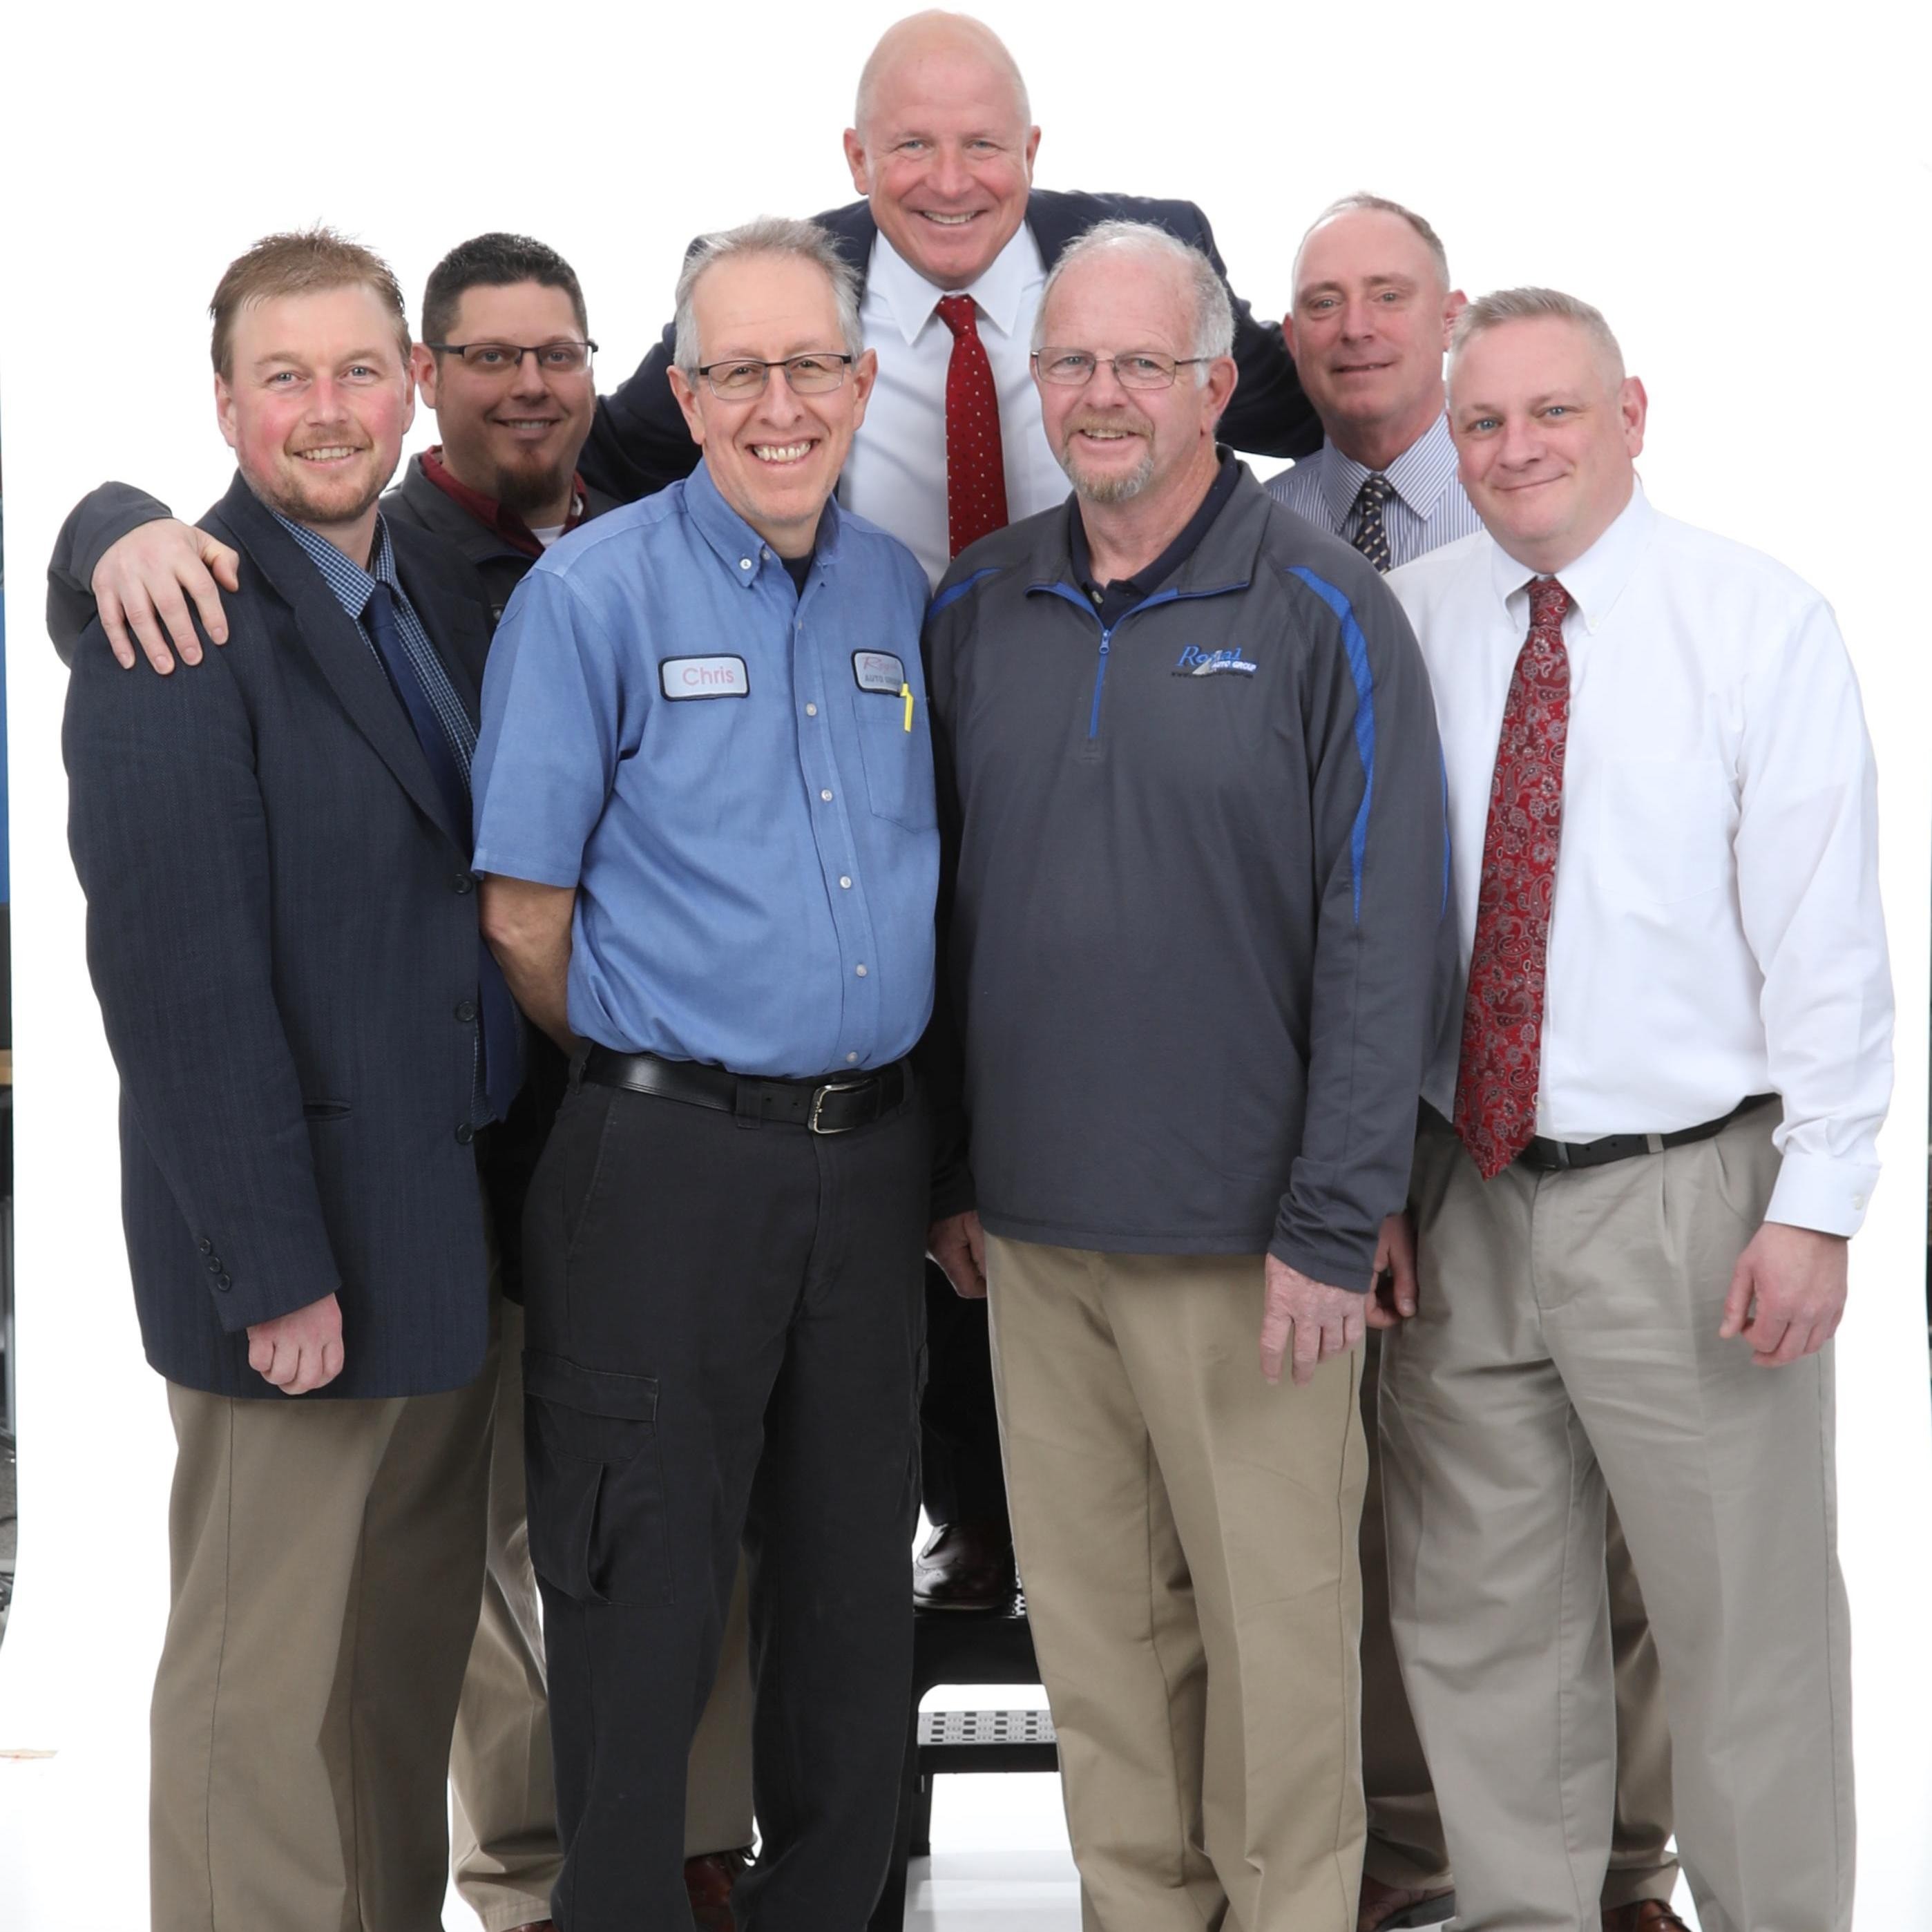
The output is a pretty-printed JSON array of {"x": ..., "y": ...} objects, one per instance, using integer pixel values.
[
  {"x": 898, "y": 762},
  {"x": 1670, "y": 821}
]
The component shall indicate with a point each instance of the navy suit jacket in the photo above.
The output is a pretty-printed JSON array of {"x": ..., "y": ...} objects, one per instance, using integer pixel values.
[
  {"x": 639, "y": 441},
  {"x": 282, "y": 932}
]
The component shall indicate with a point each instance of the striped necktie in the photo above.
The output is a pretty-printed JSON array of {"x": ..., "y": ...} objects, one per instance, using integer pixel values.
[{"x": 1371, "y": 536}]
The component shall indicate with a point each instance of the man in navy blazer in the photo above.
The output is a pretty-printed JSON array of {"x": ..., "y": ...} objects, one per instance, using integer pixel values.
[{"x": 310, "y": 1047}]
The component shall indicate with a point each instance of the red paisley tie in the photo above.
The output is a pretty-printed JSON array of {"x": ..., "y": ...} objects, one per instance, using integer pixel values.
[
  {"x": 1502, "y": 1021},
  {"x": 976, "y": 465}
]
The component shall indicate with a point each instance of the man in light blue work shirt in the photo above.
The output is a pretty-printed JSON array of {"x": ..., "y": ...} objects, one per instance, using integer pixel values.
[{"x": 705, "y": 810}]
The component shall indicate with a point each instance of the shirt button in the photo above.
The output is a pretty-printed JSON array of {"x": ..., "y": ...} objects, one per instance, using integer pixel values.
[
  {"x": 850, "y": 1058},
  {"x": 826, "y": 795},
  {"x": 744, "y": 563},
  {"x": 465, "y": 1133},
  {"x": 860, "y": 970},
  {"x": 812, "y": 711},
  {"x": 1858, "y": 1202},
  {"x": 844, "y": 881}
]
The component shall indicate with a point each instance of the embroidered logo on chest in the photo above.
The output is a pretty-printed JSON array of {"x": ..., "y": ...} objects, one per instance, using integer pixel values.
[
  {"x": 1194, "y": 662},
  {"x": 878, "y": 670}
]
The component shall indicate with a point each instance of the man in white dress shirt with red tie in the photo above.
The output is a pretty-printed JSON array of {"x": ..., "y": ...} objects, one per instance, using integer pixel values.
[{"x": 1641, "y": 1159}]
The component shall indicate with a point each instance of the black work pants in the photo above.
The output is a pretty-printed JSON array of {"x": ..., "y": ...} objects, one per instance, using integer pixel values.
[
  {"x": 724, "y": 1320},
  {"x": 959, "y": 1427}
]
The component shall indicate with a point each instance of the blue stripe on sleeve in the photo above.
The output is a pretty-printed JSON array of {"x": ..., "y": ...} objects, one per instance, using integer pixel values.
[
  {"x": 1357, "y": 646},
  {"x": 958, "y": 591},
  {"x": 1442, "y": 764}
]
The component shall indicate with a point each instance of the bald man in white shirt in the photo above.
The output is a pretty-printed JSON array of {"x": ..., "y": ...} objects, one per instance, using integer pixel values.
[{"x": 1642, "y": 1157}]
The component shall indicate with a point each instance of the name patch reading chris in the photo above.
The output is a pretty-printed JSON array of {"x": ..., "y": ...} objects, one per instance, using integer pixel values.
[{"x": 703, "y": 677}]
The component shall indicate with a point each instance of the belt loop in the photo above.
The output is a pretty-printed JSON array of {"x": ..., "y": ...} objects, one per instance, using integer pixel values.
[
  {"x": 748, "y": 1105},
  {"x": 1655, "y": 1142},
  {"x": 578, "y": 1058},
  {"x": 1561, "y": 1150}
]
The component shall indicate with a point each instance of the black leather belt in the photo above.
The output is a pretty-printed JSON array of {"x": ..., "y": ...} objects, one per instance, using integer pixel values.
[
  {"x": 1552, "y": 1156},
  {"x": 834, "y": 1105}
]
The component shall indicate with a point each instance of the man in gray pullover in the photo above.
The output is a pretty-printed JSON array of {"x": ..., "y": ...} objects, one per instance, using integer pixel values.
[{"x": 1194, "y": 901}]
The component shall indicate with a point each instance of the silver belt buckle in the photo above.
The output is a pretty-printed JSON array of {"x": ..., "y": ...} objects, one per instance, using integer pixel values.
[{"x": 818, "y": 1096}]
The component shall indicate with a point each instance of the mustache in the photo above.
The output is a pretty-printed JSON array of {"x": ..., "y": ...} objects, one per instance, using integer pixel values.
[{"x": 1124, "y": 422}]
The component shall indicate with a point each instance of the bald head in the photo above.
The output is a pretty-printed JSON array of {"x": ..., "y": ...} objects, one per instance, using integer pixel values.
[
  {"x": 942, "y": 145},
  {"x": 923, "y": 37}
]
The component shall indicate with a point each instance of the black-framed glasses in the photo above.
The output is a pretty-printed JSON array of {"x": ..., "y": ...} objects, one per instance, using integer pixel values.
[
  {"x": 816, "y": 374},
  {"x": 1133, "y": 368},
  {"x": 562, "y": 357}
]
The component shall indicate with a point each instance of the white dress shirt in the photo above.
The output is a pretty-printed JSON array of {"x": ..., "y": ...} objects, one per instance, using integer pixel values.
[
  {"x": 1429, "y": 507},
  {"x": 895, "y": 475},
  {"x": 1716, "y": 930}
]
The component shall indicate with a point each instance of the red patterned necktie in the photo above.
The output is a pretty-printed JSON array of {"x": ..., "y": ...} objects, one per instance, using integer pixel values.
[
  {"x": 976, "y": 465},
  {"x": 1497, "y": 1075}
]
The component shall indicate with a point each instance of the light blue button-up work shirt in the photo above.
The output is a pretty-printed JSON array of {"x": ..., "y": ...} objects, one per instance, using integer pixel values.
[{"x": 737, "y": 778}]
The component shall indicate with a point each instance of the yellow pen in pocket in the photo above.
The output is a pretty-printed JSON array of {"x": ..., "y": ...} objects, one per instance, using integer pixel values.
[{"x": 905, "y": 691}]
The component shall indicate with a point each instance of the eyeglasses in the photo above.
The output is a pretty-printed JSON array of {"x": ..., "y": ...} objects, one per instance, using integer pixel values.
[
  {"x": 1133, "y": 368},
  {"x": 815, "y": 374},
  {"x": 500, "y": 358}
]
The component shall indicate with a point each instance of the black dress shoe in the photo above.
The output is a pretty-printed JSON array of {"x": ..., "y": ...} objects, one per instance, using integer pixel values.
[
  {"x": 707, "y": 1883},
  {"x": 965, "y": 1566},
  {"x": 1394, "y": 1908}
]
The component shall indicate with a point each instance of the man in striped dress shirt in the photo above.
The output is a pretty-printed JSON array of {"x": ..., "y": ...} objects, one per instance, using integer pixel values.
[{"x": 1372, "y": 309}]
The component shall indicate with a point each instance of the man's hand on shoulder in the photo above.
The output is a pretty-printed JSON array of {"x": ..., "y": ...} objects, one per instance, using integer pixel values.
[
  {"x": 1307, "y": 1320},
  {"x": 145, "y": 582},
  {"x": 1787, "y": 1293},
  {"x": 300, "y": 1351},
  {"x": 958, "y": 1245}
]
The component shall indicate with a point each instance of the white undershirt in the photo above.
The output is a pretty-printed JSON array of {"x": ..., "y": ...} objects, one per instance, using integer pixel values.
[
  {"x": 1716, "y": 930},
  {"x": 895, "y": 475}
]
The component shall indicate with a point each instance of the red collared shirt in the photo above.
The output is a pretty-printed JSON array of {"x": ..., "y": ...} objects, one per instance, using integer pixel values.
[{"x": 491, "y": 513}]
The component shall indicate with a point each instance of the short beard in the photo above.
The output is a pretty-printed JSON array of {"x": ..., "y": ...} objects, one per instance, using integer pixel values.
[
  {"x": 299, "y": 507},
  {"x": 1107, "y": 489},
  {"x": 523, "y": 492}
]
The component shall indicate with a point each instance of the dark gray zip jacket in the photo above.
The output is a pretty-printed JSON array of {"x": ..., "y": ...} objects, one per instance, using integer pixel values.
[{"x": 1195, "y": 900}]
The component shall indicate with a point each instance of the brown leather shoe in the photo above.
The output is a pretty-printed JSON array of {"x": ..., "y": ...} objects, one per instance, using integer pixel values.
[
  {"x": 1396, "y": 1908},
  {"x": 965, "y": 1566},
  {"x": 1645, "y": 1915},
  {"x": 709, "y": 1880}
]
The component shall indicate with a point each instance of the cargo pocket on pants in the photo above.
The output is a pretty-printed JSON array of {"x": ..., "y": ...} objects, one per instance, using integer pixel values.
[{"x": 598, "y": 1526}]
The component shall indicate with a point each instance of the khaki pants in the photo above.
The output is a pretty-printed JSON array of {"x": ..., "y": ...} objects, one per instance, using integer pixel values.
[
  {"x": 325, "y": 1558},
  {"x": 505, "y": 1853},
  {"x": 1187, "y": 1539},
  {"x": 1567, "y": 1342},
  {"x": 1405, "y": 1846}
]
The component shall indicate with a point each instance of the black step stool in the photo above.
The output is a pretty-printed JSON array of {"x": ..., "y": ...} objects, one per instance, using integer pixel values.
[{"x": 961, "y": 1647}]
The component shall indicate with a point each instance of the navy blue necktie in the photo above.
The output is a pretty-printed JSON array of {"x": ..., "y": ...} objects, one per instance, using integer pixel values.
[{"x": 502, "y": 1027}]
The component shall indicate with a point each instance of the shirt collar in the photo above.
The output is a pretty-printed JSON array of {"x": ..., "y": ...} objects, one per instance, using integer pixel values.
[
  {"x": 1596, "y": 580},
  {"x": 1146, "y": 581},
  {"x": 1420, "y": 476},
  {"x": 347, "y": 581},
  {"x": 997, "y": 293},
  {"x": 744, "y": 553},
  {"x": 489, "y": 513}
]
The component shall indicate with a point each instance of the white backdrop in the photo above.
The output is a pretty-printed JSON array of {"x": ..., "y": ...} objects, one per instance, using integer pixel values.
[{"x": 1743, "y": 191}]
